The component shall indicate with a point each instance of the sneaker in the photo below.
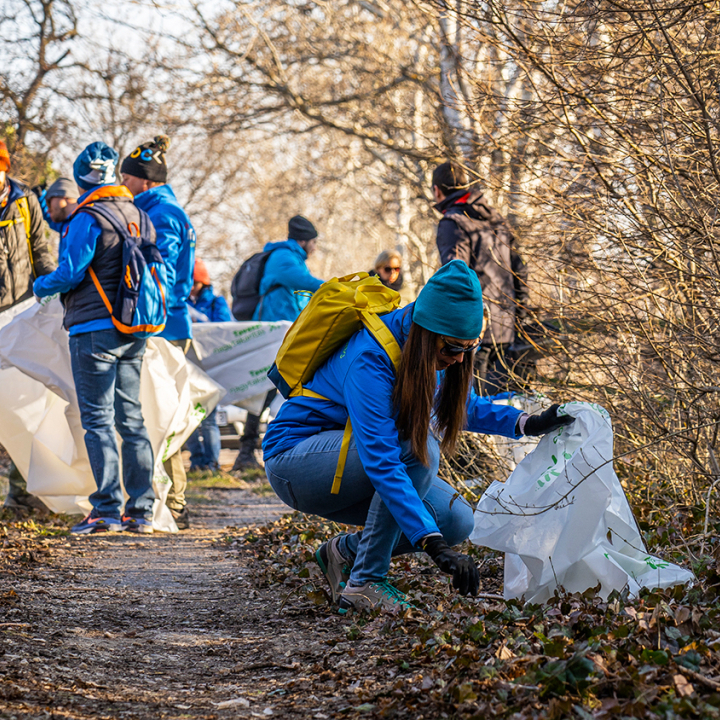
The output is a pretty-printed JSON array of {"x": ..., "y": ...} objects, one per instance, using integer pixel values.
[
  {"x": 373, "y": 596},
  {"x": 96, "y": 523},
  {"x": 136, "y": 525},
  {"x": 182, "y": 518},
  {"x": 334, "y": 566}
]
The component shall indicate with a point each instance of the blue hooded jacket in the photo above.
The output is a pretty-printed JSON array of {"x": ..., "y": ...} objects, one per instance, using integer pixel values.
[
  {"x": 176, "y": 243},
  {"x": 285, "y": 272},
  {"x": 358, "y": 381},
  {"x": 213, "y": 307}
]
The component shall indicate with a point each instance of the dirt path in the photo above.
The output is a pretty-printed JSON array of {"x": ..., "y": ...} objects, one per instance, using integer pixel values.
[{"x": 125, "y": 626}]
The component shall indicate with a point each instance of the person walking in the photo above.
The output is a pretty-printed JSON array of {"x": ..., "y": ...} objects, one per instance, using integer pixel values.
[
  {"x": 24, "y": 256},
  {"x": 400, "y": 423},
  {"x": 106, "y": 364},
  {"x": 284, "y": 275},
  {"x": 144, "y": 173},
  {"x": 206, "y": 306},
  {"x": 474, "y": 232}
]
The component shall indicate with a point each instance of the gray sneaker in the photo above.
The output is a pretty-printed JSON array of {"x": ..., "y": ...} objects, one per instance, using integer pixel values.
[
  {"x": 373, "y": 596},
  {"x": 334, "y": 566}
]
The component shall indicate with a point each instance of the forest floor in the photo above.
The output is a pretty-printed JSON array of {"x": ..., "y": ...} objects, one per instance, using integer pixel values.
[{"x": 231, "y": 619}]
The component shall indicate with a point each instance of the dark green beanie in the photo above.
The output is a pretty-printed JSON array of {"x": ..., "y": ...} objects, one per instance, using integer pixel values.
[{"x": 451, "y": 303}]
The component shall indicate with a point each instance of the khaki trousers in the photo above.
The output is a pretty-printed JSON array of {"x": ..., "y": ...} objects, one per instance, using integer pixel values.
[{"x": 174, "y": 464}]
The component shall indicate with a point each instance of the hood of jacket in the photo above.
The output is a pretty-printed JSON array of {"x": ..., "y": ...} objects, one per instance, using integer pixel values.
[
  {"x": 291, "y": 245},
  {"x": 154, "y": 196},
  {"x": 471, "y": 203}
]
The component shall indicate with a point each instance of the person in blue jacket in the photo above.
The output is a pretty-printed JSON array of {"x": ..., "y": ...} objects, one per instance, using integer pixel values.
[
  {"x": 106, "y": 364},
  {"x": 400, "y": 423},
  {"x": 144, "y": 173},
  {"x": 286, "y": 272},
  {"x": 206, "y": 306}
]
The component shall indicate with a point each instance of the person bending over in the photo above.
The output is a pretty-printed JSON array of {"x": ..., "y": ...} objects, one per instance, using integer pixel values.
[{"x": 400, "y": 424}]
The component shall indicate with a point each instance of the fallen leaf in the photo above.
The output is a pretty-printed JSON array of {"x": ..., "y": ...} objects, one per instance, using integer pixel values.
[{"x": 683, "y": 687}]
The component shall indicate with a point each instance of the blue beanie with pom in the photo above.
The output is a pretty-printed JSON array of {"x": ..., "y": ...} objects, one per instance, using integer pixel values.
[
  {"x": 95, "y": 165},
  {"x": 451, "y": 303}
]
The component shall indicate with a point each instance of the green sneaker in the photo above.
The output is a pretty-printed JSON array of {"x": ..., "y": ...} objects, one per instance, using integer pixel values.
[
  {"x": 334, "y": 566},
  {"x": 373, "y": 596}
]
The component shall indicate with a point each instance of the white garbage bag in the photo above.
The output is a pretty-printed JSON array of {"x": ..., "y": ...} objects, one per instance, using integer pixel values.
[
  {"x": 562, "y": 518},
  {"x": 40, "y": 426},
  {"x": 237, "y": 355}
]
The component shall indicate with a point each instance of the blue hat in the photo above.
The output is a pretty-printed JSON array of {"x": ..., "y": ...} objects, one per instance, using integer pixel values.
[
  {"x": 95, "y": 165},
  {"x": 451, "y": 303}
]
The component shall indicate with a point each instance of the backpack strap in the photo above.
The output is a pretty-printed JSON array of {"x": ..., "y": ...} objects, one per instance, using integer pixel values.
[
  {"x": 24, "y": 210},
  {"x": 388, "y": 343}
]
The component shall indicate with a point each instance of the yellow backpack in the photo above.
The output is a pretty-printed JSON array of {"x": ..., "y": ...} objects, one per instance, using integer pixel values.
[{"x": 336, "y": 311}]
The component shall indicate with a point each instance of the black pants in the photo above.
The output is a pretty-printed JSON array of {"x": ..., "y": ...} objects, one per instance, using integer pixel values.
[
  {"x": 251, "y": 433},
  {"x": 491, "y": 369}
]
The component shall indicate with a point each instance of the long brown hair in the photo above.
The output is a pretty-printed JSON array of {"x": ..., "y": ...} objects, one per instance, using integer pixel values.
[{"x": 414, "y": 394}]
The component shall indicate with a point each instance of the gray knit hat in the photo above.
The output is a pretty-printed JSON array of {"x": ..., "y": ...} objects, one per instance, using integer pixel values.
[{"x": 63, "y": 188}]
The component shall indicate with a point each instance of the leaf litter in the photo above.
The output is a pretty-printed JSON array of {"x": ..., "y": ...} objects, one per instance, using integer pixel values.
[{"x": 255, "y": 635}]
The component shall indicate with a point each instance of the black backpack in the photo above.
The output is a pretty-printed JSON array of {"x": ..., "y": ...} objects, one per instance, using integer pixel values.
[{"x": 245, "y": 288}]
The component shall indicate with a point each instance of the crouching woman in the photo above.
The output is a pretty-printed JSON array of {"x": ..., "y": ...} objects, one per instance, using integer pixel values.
[{"x": 400, "y": 423}]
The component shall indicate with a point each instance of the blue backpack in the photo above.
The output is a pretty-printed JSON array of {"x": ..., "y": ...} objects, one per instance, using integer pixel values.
[{"x": 140, "y": 307}]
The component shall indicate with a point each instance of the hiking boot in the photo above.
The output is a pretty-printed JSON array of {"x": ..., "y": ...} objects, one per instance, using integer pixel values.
[
  {"x": 25, "y": 503},
  {"x": 334, "y": 566},
  {"x": 182, "y": 518},
  {"x": 136, "y": 525},
  {"x": 96, "y": 523},
  {"x": 246, "y": 459},
  {"x": 373, "y": 596}
]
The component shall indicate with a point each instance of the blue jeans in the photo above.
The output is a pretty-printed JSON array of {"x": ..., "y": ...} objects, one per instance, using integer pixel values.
[
  {"x": 204, "y": 444},
  {"x": 302, "y": 478},
  {"x": 106, "y": 368}
]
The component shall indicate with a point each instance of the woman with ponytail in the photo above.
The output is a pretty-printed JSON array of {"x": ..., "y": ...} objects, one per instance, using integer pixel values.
[{"x": 401, "y": 421}]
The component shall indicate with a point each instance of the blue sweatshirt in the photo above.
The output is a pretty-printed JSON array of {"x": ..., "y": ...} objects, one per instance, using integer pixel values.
[
  {"x": 176, "y": 243},
  {"x": 358, "y": 381},
  {"x": 213, "y": 307},
  {"x": 285, "y": 272}
]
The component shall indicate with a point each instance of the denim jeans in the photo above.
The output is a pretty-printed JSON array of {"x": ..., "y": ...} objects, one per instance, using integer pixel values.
[
  {"x": 106, "y": 368},
  {"x": 204, "y": 444},
  {"x": 302, "y": 478}
]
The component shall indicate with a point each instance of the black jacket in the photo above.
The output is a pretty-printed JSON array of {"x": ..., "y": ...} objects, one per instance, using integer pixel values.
[
  {"x": 477, "y": 234},
  {"x": 17, "y": 269}
]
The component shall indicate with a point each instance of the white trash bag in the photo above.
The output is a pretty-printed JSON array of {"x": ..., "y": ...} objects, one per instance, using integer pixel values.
[
  {"x": 40, "y": 424},
  {"x": 587, "y": 534}
]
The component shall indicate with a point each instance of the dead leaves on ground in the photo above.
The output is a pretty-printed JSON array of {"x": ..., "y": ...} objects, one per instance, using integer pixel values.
[{"x": 657, "y": 656}]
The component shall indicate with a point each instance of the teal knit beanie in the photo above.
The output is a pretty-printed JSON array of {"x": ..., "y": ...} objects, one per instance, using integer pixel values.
[{"x": 451, "y": 303}]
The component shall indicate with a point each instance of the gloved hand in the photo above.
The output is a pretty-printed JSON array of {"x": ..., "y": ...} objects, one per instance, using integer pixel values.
[
  {"x": 546, "y": 421},
  {"x": 43, "y": 301},
  {"x": 466, "y": 577}
]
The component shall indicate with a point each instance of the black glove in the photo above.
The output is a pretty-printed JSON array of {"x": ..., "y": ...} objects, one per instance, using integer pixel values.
[
  {"x": 466, "y": 578},
  {"x": 546, "y": 421}
]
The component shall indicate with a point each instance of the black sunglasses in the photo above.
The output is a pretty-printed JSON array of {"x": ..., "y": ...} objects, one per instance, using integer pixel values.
[
  {"x": 450, "y": 349},
  {"x": 390, "y": 269}
]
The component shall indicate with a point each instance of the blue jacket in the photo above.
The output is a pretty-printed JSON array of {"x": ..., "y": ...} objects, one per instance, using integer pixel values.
[
  {"x": 285, "y": 272},
  {"x": 358, "y": 381},
  {"x": 212, "y": 306},
  {"x": 176, "y": 242}
]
